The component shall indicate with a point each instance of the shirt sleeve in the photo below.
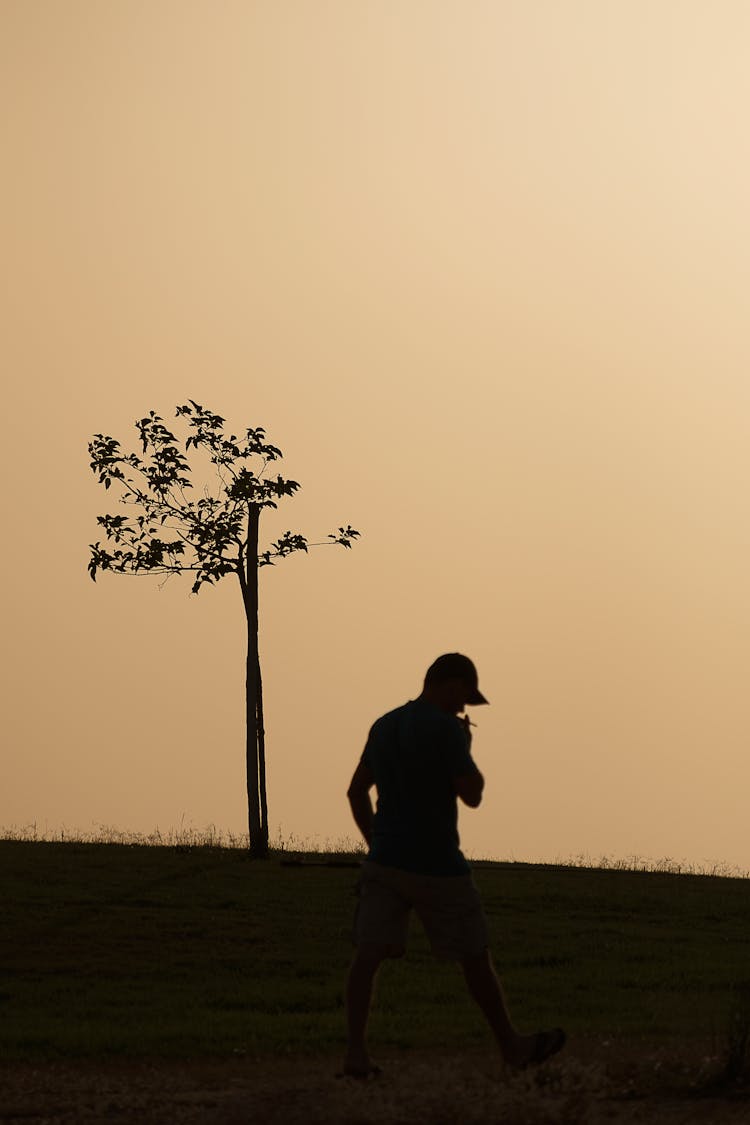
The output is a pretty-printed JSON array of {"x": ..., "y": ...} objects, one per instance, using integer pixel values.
[{"x": 367, "y": 752}]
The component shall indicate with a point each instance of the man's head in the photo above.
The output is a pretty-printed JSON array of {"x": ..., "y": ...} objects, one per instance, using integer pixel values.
[{"x": 452, "y": 683}]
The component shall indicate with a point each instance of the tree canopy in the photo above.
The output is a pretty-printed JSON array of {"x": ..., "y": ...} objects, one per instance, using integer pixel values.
[{"x": 171, "y": 533}]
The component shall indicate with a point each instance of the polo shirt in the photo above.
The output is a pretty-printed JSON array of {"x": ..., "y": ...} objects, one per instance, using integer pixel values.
[{"x": 413, "y": 753}]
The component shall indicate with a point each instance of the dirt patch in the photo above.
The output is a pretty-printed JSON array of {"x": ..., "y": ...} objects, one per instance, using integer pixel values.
[{"x": 586, "y": 1087}]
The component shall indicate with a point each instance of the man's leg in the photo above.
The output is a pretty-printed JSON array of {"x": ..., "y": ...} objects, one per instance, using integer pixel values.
[
  {"x": 485, "y": 988},
  {"x": 359, "y": 987}
]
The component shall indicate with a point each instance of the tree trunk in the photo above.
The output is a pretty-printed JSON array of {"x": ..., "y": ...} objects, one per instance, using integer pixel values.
[
  {"x": 256, "y": 828},
  {"x": 262, "y": 762}
]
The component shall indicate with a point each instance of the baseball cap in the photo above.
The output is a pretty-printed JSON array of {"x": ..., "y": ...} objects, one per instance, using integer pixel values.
[{"x": 454, "y": 666}]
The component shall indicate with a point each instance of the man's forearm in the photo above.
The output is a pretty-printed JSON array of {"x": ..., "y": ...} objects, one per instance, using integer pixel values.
[{"x": 361, "y": 806}]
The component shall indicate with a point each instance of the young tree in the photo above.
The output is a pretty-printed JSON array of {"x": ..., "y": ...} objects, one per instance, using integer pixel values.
[{"x": 211, "y": 537}]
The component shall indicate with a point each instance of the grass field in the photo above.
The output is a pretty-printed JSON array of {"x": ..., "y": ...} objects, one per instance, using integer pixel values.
[{"x": 113, "y": 955}]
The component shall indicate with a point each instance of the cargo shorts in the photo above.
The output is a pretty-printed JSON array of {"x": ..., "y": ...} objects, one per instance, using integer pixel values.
[{"x": 448, "y": 907}]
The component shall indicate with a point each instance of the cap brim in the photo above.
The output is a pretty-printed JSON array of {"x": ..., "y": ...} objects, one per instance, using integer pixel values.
[{"x": 477, "y": 698}]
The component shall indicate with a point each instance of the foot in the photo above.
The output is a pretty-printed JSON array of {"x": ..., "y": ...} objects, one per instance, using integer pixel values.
[
  {"x": 358, "y": 1064},
  {"x": 536, "y": 1049}
]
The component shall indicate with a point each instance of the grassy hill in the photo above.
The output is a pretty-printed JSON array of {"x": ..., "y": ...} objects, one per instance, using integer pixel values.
[{"x": 110, "y": 950}]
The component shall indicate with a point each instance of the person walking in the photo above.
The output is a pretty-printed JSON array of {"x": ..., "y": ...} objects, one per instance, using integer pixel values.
[{"x": 418, "y": 757}]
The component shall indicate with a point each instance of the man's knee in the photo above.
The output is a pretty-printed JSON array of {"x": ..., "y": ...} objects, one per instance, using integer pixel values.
[
  {"x": 372, "y": 953},
  {"x": 477, "y": 962}
]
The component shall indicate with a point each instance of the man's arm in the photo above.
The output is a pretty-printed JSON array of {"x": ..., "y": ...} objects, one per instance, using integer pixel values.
[
  {"x": 359, "y": 799},
  {"x": 469, "y": 788}
]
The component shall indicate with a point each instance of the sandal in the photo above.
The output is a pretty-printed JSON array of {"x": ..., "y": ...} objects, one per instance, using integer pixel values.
[
  {"x": 371, "y": 1071},
  {"x": 548, "y": 1043}
]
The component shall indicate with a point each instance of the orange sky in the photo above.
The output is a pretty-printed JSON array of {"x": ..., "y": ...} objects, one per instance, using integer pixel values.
[{"x": 481, "y": 270}]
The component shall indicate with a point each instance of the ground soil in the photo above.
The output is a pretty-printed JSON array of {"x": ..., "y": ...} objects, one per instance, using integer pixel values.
[{"x": 584, "y": 1087}]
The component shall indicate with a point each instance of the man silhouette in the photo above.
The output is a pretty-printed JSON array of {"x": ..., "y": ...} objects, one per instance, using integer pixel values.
[{"x": 419, "y": 759}]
